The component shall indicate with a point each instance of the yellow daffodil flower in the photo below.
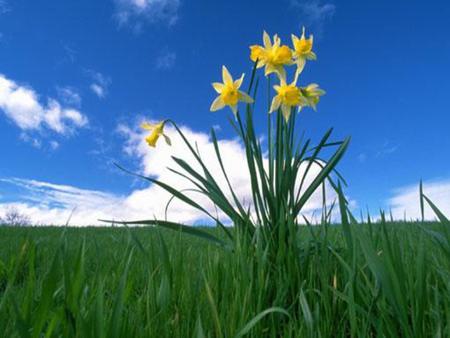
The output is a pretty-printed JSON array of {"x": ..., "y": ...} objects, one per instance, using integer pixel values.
[
  {"x": 257, "y": 53},
  {"x": 157, "y": 130},
  {"x": 273, "y": 56},
  {"x": 288, "y": 96},
  {"x": 312, "y": 94},
  {"x": 229, "y": 93},
  {"x": 303, "y": 50}
]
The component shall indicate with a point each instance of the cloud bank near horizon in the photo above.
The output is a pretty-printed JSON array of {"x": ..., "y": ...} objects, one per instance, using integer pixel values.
[
  {"x": 53, "y": 204},
  {"x": 405, "y": 202}
]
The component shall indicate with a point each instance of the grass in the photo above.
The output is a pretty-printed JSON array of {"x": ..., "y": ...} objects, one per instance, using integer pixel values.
[{"x": 372, "y": 280}]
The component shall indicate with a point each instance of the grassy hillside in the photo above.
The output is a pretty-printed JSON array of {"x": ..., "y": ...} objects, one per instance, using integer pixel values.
[{"x": 389, "y": 280}]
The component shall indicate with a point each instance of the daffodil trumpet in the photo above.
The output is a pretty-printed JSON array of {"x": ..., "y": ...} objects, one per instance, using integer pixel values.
[
  {"x": 288, "y": 96},
  {"x": 156, "y": 130}
]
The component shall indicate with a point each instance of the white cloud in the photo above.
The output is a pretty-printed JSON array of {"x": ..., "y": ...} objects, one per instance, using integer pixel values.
[
  {"x": 100, "y": 83},
  {"x": 166, "y": 60},
  {"x": 134, "y": 11},
  {"x": 405, "y": 200},
  {"x": 69, "y": 96},
  {"x": 314, "y": 12},
  {"x": 22, "y": 106},
  {"x": 35, "y": 142},
  {"x": 98, "y": 90},
  {"x": 49, "y": 203},
  {"x": 46, "y": 203},
  {"x": 54, "y": 145},
  {"x": 387, "y": 149}
]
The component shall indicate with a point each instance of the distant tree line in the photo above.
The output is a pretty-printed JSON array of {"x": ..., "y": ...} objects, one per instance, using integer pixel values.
[{"x": 13, "y": 217}]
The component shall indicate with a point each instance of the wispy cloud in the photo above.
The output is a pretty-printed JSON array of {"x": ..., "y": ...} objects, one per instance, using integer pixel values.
[
  {"x": 54, "y": 145},
  {"x": 314, "y": 13},
  {"x": 69, "y": 95},
  {"x": 22, "y": 106},
  {"x": 405, "y": 200},
  {"x": 33, "y": 141},
  {"x": 100, "y": 83},
  {"x": 4, "y": 7},
  {"x": 98, "y": 90},
  {"x": 362, "y": 157},
  {"x": 49, "y": 203},
  {"x": 166, "y": 60},
  {"x": 136, "y": 12},
  {"x": 70, "y": 53},
  {"x": 387, "y": 149},
  {"x": 377, "y": 151}
]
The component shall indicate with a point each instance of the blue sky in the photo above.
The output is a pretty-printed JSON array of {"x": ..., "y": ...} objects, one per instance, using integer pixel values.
[{"x": 101, "y": 66}]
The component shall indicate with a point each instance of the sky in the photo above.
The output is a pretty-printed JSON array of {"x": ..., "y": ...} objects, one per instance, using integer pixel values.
[{"x": 77, "y": 77}]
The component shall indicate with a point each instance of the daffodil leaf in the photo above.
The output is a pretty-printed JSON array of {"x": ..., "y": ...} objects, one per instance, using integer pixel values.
[{"x": 187, "y": 229}]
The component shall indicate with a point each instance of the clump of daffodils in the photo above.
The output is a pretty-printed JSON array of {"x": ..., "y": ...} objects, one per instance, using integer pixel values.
[
  {"x": 274, "y": 57},
  {"x": 266, "y": 217},
  {"x": 279, "y": 190}
]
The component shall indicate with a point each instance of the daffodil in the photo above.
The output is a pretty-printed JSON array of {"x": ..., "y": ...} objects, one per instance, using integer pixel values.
[
  {"x": 273, "y": 56},
  {"x": 312, "y": 94},
  {"x": 157, "y": 130},
  {"x": 229, "y": 93},
  {"x": 303, "y": 50},
  {"x": 288, "y": 96}
]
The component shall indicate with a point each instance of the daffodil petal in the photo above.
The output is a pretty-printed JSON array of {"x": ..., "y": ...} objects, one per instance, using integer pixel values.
[
  {"x": 217, "y": 104},
  {"x": 276, "y": 40},
  {"x": 218, "y": 87},
  {"x": 282, "y": 78},
  {"x": 312, "y": 56},
  {"x": 300, "y": 66},
  {"x": 266, "y": 40},
  {"x": 281, "y": 72},
  {"x": 147, "y": 126},
  {"x": 269, "y": 69},
  {"x": 238, "y": 82},
  {"x": 234, "y": 109},
  {"x": 226, "y": 76},
  {"x": 276, "y": 102},
  {"x": 286, "y": 110},
  {"x": 244, "y": 97}
]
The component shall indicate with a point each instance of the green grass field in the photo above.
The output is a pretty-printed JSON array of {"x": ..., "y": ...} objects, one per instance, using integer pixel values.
[{"x": 389, "y": 280}]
